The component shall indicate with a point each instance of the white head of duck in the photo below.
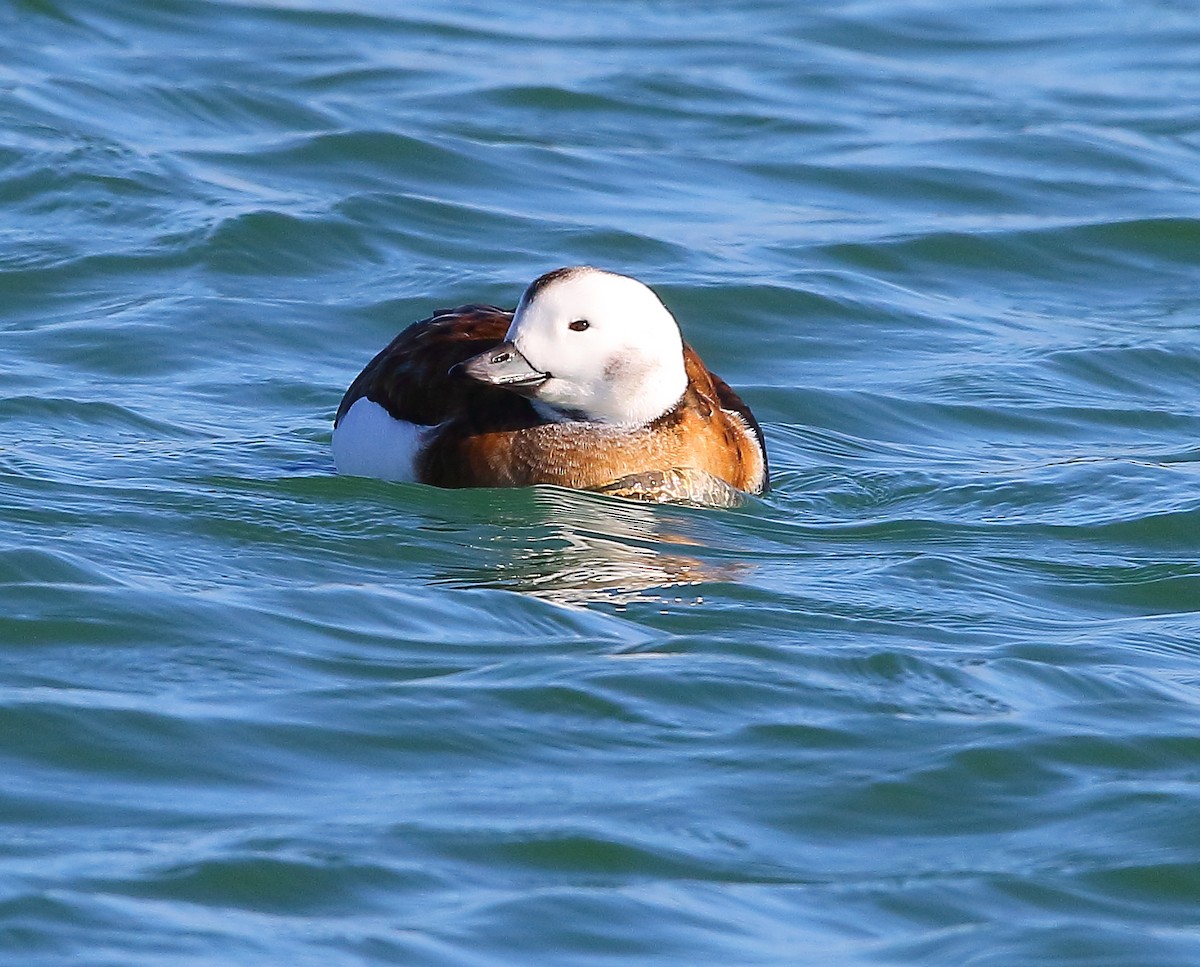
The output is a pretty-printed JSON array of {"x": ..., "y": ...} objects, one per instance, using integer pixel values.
[{"x": 591, "y": 345}]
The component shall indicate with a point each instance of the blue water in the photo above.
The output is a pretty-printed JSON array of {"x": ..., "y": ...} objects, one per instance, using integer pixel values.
[{"x": 932, "y": 701}]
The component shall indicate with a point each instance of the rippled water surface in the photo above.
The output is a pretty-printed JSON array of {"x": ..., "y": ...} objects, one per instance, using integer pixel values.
[{"x": 932, "y": 701}]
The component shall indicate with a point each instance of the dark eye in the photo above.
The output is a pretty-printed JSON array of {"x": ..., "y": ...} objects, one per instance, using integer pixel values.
[{"x": 579, "y": 325}]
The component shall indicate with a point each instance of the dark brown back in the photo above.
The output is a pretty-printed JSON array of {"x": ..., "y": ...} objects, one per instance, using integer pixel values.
[{"x": 408, "y": 377}]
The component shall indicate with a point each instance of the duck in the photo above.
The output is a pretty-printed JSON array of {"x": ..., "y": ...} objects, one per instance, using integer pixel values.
[{"x": 586, "y": 384}]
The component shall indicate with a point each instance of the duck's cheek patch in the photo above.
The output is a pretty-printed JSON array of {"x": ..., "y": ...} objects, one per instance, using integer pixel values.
[{"x": 625, "y": 367}]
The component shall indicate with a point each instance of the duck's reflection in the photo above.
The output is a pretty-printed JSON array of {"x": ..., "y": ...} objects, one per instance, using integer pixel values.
[{"x": 576, "y": 548}]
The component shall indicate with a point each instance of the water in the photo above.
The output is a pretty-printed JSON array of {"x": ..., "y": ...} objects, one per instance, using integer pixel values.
[{"x": 932, "y": 701}]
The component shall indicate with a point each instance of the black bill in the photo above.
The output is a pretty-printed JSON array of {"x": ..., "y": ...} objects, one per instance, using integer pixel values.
[{"x": 502, "y": 365}]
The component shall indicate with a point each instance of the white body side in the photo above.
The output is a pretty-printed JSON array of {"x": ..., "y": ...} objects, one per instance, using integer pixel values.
[{"x": 370, "y": 442}]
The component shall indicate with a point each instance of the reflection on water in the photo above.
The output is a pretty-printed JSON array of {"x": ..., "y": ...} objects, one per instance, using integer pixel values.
[{"x": 575, "y": 547}]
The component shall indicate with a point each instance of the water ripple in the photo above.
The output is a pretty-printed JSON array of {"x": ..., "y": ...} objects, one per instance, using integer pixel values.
[{"x": 931, "y": 700}]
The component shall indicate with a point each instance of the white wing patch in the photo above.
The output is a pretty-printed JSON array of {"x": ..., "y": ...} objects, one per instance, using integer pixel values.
[{"x": 369, "y": 442}]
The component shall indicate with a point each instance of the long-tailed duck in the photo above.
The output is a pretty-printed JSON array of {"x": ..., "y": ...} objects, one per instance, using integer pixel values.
[{"x": 587, "y": 384}]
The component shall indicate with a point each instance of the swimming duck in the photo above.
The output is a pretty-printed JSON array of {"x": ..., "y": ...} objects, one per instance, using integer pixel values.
[{"x": 586, "y": 384}]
